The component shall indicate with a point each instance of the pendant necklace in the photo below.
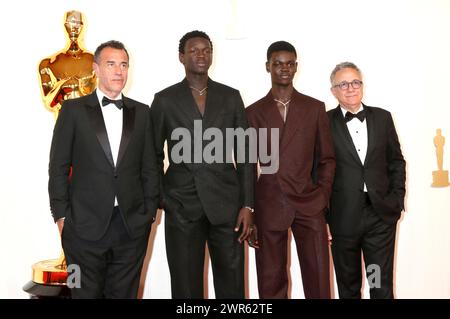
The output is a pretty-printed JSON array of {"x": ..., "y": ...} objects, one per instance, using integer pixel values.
[
  {"x": 200, "y": 92},
  {"x": 285, "y": 104}
]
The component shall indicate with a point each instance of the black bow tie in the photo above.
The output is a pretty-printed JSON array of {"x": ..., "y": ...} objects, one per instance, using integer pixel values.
[
  {"x": 118, "y": 103},
  {"x": 361, "y": 115}
]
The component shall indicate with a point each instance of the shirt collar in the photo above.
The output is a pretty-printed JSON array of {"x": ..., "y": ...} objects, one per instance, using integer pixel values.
[
  {"x": 344, "y": 111},
  {"x": 101, "y": 94}
]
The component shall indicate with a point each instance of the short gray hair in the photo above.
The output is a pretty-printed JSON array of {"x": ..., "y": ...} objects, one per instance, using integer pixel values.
[
  {"x": 344, "y": 65},
  {"x": 109, "y": 44}
]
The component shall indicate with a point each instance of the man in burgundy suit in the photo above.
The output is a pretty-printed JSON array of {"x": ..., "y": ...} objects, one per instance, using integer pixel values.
[{"x": 296, "y": 195}]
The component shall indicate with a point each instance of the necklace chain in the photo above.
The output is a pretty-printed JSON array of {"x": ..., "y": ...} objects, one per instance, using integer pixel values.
[
  {"x": 200, "y": 92},
  {"x": 285, "y": 104}
]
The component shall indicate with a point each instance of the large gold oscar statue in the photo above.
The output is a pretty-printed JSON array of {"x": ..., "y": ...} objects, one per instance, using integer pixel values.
[
  {"x": 65, "y": 75},
  {"x": 68, "y": 73}
]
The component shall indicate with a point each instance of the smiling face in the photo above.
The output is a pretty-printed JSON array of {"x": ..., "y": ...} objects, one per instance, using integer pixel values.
[
  {"x": 282, "y": 67},
  {"x": 350, "y": 98},
  {"x": 197, "y": 56},
  {"x": 112, "y": 71}
]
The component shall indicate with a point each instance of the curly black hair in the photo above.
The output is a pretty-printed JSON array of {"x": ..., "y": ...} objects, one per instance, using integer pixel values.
[
  {"x": 190, "y": 35},
  {"x": 280, "y": 46}
]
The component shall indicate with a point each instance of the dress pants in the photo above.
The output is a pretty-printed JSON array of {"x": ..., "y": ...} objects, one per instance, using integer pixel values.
[
  {"x": 311, "y": 239},
  {"x": 185, "y": 248},
  {"x": 110, "y": 267},
  {"x": 376, "y": 240}
]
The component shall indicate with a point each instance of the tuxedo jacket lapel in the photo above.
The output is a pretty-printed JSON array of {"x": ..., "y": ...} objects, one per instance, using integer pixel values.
[
  {"x": 127, "y": 127},
  {"x": 213, "y": 104},
  {"x": 187, "y": 105},
  {"x": 371, "y": 132},
  {"x": 344, "y": 134},
  {"x": 98, "y": 123}
]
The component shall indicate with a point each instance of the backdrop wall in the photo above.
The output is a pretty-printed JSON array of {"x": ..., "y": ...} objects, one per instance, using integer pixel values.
[{"x": 402, "y": 47}]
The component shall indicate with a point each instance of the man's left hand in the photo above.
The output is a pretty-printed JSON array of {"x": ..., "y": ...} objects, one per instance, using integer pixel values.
[{"x": 249, "y": 231}]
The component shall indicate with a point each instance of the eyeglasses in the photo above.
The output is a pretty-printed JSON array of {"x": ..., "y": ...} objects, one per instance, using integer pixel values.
[{"x": 356, "y": 84}]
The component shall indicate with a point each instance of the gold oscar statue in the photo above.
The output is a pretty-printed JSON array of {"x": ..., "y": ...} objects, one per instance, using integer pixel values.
[
  {"x": 68, "y": 73},
  {"x": 65, "y": 75},
  {"x": 440, "y": 177}
]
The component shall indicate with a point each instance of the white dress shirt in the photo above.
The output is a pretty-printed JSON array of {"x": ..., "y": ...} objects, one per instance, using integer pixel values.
[
  {"x": 113, "y": 123},
  {"x": 358, "y": 132}
]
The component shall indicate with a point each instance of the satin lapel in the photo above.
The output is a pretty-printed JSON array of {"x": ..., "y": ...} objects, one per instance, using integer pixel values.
[
  {"x": 295, "y": 116},
  {"x": 344, "y": 134},
  {"x": 371, "y": 132},
  {"x": 98, "y": 123},
  {"x": 187, "y": 105},
  {"x": 213, "y": 104},
  {"x": 128, "y": 115}
]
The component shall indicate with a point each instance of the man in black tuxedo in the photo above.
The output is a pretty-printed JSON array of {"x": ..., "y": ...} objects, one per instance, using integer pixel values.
[
  {"x": 368, "y": 189},
  {"x": 206, "y": 198},
  {"x": 104, "y": 181}
]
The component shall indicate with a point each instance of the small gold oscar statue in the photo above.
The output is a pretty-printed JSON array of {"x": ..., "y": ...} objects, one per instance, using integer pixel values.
[
  {"x": 440, "y": 177},
  {"x": 65, "y": 75}
]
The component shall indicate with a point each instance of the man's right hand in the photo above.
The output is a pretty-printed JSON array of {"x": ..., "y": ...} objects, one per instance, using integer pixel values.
[{"x": 60, "y": 223}]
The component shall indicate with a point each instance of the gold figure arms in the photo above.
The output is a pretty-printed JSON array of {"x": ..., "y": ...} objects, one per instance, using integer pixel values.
[{"x": 67, "y": 74}]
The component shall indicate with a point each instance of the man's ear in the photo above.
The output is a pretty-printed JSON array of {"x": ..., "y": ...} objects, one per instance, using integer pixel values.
[
  {"x": 181, "y": 57},
  {"x": 332, "y": 89},
  {"x": 95, "y": 68},
  {"x": 267, "y": 67}
]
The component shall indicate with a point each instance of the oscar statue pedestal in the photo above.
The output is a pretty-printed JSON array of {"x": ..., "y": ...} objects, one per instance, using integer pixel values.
[
  {"x": 440, "y": 179},
  {"x": 48, "y": 280}
]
